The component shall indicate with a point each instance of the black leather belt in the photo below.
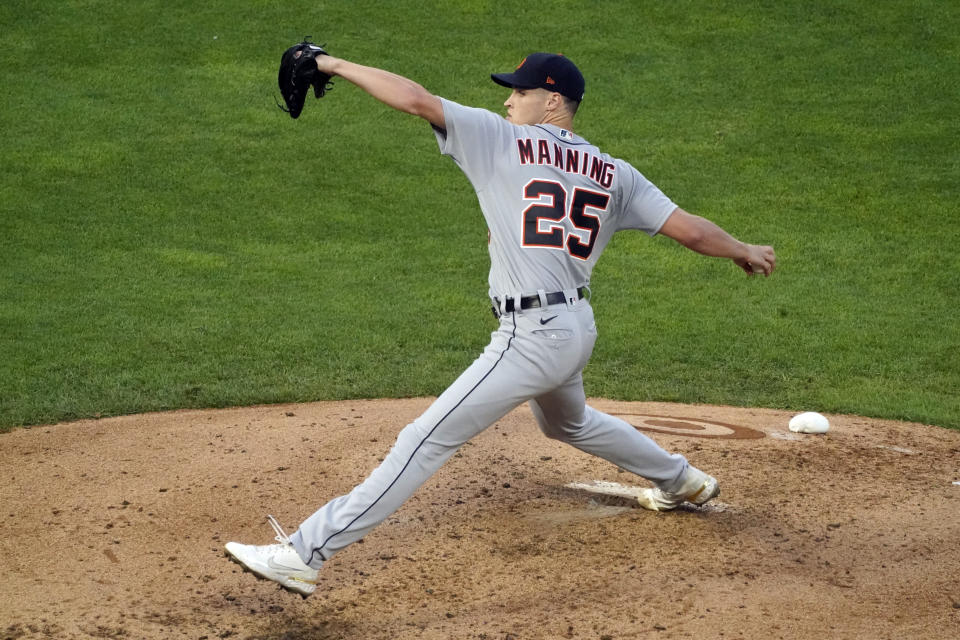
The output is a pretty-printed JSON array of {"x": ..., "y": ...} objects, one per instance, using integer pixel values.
[{"x": 533, "y": 302}]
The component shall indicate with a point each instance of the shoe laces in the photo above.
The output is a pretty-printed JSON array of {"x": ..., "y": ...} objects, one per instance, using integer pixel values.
[{"x": 282, "y": 536}]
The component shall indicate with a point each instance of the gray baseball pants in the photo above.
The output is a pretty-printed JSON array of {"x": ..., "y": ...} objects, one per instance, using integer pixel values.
[{"x": 535, "y": 356}]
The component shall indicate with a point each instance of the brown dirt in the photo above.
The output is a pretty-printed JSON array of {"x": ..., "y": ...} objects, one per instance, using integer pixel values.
[{"x": 115, "y": 528}]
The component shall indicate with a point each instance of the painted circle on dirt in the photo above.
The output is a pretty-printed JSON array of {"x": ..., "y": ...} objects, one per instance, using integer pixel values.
[{"x": 690, "y": 427}]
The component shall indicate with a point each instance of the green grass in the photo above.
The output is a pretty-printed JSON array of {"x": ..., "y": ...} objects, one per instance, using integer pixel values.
[{"x": 168, "y": 238}]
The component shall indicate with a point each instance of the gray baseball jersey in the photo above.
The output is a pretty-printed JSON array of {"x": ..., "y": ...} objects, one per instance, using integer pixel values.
[{"x": 552, "y": 201}]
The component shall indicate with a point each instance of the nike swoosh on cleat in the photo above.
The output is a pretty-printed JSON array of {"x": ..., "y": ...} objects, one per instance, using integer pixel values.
[
  {"x": 694, "y": 495},
  {"x": 273, "y": 564},
  {"x": 546, "y": 320}
]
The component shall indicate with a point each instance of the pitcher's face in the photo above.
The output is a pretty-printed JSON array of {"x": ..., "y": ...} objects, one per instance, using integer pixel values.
[{"x": 527, "y": 106}]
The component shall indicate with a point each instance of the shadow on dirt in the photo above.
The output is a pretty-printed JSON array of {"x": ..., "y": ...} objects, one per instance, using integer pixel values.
[{"x": 293, "y": 629}]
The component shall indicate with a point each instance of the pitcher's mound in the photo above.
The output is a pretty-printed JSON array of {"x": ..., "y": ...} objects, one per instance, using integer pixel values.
[{"x": 115, "y": 529}]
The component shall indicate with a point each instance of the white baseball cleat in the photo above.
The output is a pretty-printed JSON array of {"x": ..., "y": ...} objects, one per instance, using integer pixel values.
[
  {"x": 277, "y": 562},
  {"x": 698, "y": 488}
]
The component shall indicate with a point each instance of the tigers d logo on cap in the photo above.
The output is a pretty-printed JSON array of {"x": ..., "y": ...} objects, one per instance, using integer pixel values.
[{"x": 550, "y": 71}]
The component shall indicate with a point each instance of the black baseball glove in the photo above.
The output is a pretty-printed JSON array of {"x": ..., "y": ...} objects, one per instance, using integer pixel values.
[{"x": 298, "y": 72}]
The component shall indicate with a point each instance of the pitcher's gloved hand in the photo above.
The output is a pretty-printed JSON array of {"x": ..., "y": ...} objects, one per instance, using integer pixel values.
[{"x": 298, "y": 72}]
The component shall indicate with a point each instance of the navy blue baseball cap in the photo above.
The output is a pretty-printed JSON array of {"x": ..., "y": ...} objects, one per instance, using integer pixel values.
[{"x": 550, "y": 71}]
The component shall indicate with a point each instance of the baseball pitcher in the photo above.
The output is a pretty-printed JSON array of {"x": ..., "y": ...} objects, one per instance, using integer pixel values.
[{"x": 552, "y": 201}]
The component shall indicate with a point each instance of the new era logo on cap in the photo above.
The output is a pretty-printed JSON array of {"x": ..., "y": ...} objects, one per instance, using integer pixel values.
[{"x": 550, "y": 71}]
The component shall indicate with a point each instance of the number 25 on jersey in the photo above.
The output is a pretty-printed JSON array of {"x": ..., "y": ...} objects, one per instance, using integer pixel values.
[{"x": 540, "y": 228}]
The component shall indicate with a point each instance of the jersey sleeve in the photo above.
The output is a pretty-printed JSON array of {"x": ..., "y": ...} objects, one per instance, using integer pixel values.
[
  {"x": 473, "y": 137},
  {"x": 645, "y": 207}
]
